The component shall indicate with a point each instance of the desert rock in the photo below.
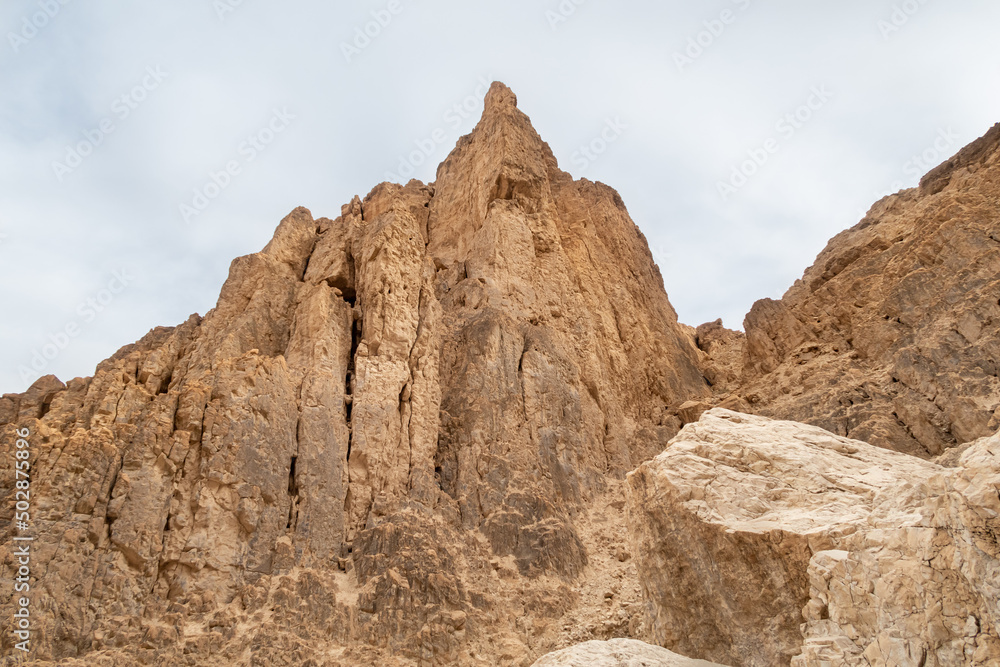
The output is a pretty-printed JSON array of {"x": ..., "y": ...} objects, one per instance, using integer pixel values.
[
  {"x": 893, "y": 335},
  {"x": 385, "y": 443},
  {"x": 402, "y": 436},
  {"x": 765, "y": 543},
  {"x": 618, "y": 653}
]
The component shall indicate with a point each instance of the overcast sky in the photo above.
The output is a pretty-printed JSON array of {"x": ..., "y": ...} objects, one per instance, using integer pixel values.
[{"x": 113, "y": 115}]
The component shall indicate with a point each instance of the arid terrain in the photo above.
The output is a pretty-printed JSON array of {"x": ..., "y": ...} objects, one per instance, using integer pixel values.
[{"x": 460, "y": 424}]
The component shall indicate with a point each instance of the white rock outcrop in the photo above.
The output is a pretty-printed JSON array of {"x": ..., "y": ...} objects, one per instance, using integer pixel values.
[
  {"x": 766, "y": 543},
  {"x": 618, "y": 653}
]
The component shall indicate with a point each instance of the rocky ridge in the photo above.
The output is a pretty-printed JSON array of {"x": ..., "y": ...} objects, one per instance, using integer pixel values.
[
  {"x": 383, "y": 445},
  {"x": 893, "y": 335},
  {"x": 402, "y": 438}
]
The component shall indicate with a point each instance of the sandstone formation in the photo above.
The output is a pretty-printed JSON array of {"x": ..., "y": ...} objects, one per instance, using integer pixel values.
[
  {"x": 618, "y": 653},
  {"x": 764, "y": 543},
  {"x": 397, "y": 439},
  {"x": 893, "y": 335},
  {"x": 402, "y": 437}
]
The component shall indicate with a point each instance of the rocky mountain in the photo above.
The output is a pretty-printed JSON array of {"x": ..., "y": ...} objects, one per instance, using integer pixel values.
[
  {"x": 893, "y": 335},
  {"x": 445, "y": 428},
  {"x": 386, "y": 444}
]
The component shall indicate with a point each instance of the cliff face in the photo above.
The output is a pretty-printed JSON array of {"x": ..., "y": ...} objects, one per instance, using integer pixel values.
[
  {"x": 389, "y": 438},
  {"x": 893, "y": 335},
  {"x": 402, "y": 438},
  {"x": 746, "y": 527}
]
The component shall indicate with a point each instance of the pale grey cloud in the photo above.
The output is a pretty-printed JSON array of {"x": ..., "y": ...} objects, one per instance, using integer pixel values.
[{"x": 355, "y": 118}]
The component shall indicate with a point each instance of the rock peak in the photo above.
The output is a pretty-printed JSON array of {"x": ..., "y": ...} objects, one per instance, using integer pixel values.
[
  {"x": 499, "y": 99},
  {"x": 441, "y": 375},
  {"x": 502, "y": 158},
  {"x": 403, "y": 437}
]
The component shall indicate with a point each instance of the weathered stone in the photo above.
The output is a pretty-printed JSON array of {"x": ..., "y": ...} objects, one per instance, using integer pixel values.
[
  {"x": 401, "y": 438},
  {"x": 379, "y": 409},
  {"x": 893, "y": 335},
  {"x": 723, "y": 365},
  {"x": 618, "y": 653},
  {"x": 744, "y": 527}
]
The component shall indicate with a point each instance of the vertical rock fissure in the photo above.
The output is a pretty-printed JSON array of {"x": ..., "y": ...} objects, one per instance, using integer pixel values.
[
  {"x": 293, "y": 495},
  {"x": 115, "y": 471},
  {"x": 165, "y": 383},
  {"x": 293, "y": 487},
  {"x": 349, "y": 381}
]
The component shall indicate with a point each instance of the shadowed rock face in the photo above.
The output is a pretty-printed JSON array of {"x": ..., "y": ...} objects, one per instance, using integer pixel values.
[
  {"x": 893, "y": 335},
  {"x": 382, "y": 412}
]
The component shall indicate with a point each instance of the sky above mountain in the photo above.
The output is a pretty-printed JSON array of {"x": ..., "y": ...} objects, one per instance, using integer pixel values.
[{"x": 144, "y": 146}]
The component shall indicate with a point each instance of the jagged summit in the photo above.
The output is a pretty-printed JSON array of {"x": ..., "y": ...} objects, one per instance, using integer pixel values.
[
  {"x": 401, "y": 439},
  {"x": 970, "y": 158},
  {"x": 499, "y": 99},
  {"x": 389, "y": 407},
  {"x": 503, "y": 158},
  {"x": 893, "y": 335}
]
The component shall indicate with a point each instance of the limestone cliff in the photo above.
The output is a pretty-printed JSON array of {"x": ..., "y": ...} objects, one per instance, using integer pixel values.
[
  {"x": 402, "y": 438},
  {"x": 764, "y": 543},
  {"x": 893, "y": 335},
  {"x": 385, "y": 445}
]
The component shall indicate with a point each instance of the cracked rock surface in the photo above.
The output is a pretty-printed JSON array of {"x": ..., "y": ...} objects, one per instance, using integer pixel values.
[
  {"x": 403, "y": 436},
  {"x": 383, "y": 444},
  {"x": 618, "y": 653},
  {"x": 893, "y": 335},
  {"x": 766, "y": 543}
]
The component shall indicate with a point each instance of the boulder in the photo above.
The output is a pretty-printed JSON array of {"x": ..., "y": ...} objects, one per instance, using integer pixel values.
[
  {"x": 763, "y": 543},
  {"x": 618, "y": 653}
]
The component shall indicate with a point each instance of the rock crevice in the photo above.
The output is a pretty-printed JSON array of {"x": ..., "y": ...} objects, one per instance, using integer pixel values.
[{"x": 406, "y": 409}]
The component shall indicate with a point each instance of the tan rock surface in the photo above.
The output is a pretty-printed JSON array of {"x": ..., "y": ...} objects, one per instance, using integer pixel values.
[
  {"x": 723, "y": 361},
  {"x": 389, "y": 438},
  {"x": 746, "y": 527},
  {"x": 618, "y": 653},
  {"x": 401, "y": 439},
  {"x": 893, "y": 335}
]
